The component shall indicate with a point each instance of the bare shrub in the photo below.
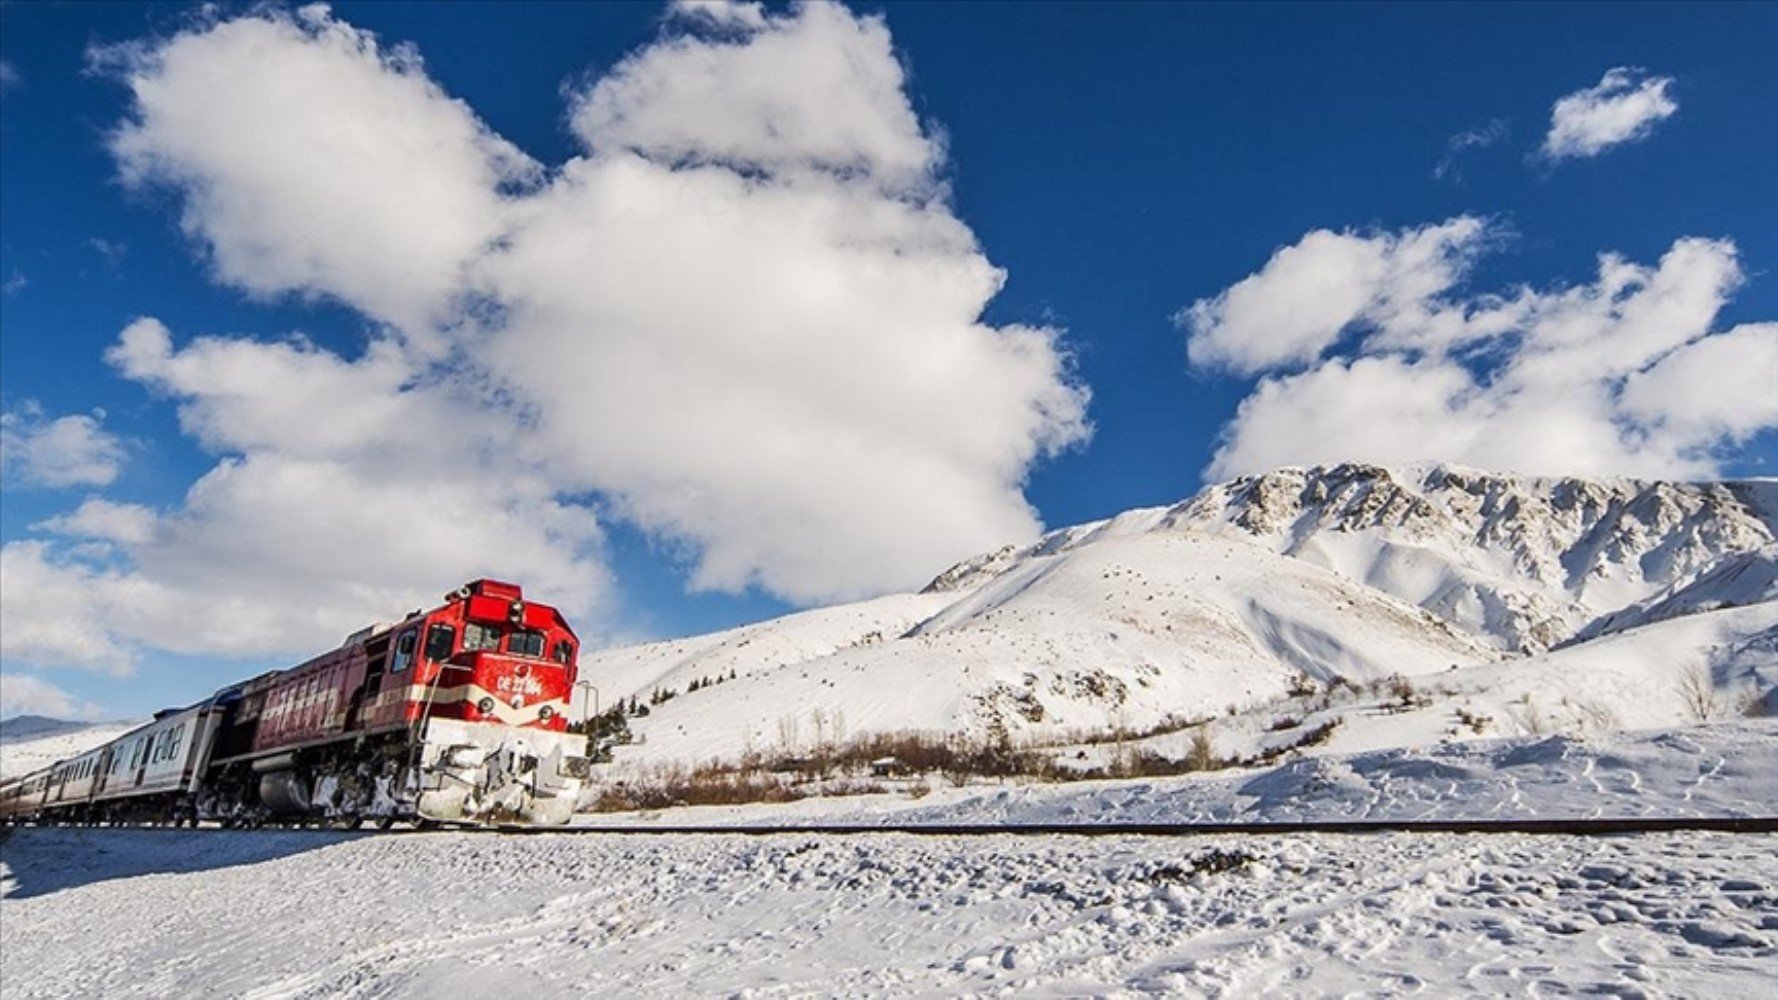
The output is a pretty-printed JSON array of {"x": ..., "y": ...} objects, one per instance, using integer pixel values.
[
  {"x": 1598, "y": 718},
  {"x": 1697, "y": 694},
  {"x": 702, "y": 786},
  {"x": 1313, "y": 736},
  {"x": 1402, "y": 694},
  {"x": 1755, "y": 705},
  {"x": 1201, "y": 756},
  {"x": 1476, "y": 722}
]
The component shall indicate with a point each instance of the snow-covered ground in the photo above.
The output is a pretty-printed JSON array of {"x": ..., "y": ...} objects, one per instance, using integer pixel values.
[
  {"x": 1724, "y": 769},
  {"x": 277, "y": 915}
]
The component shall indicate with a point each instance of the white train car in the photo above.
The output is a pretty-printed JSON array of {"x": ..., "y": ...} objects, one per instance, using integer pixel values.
[
  {"x": 72, "y": 781},
  {"x": 154, "y": 771},
  {"x": 22, "y": 797},
  {"x": 165, "y": 757}
]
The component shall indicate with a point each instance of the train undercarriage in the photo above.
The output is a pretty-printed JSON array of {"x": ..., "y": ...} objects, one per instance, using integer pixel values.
[{"x": 458, "y": 773}]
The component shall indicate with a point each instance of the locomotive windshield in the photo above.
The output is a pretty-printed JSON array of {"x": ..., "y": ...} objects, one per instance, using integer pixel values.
[
  {"x": 525, "y": 643},
  {"x": 477, "y": 636},
  {"x": 440, "y": 638}
]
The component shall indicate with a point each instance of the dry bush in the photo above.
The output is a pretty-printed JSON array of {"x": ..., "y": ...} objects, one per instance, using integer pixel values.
[
  {"x": 1755, "y": 705},
  {"x": 1697, "y": 693},
  {"x": 1476, "y": 722},
  {"x": 1202, "y": 754},
  {"x": 704, "y": 786}
]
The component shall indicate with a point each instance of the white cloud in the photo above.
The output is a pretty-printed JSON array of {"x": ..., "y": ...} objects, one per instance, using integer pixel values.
[
  {"x": 1311, "y": 292},
  {"x": 343, "y": 489},
  {"x": 23, "y": 694},
  {"x": 1722, "y": 386},
  {"x": 112, "y": 250},
  {"x": 1625, "y": 375},
  {"x": 1624, "y": 106},
  {"x": 746, "y": 319},
  {"x": 74, "y": 450},
  {"x": 104, "y": 520},
  {"x": 310, "y": 159},
  {"x": 817, "y": 90},
  {"x": 1480, "y": 137},
  {"x": 56, "y": 611},
  {"x": 721, "y": 13}
]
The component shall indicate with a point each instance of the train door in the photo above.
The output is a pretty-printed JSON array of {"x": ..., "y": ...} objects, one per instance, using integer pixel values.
[
  {"x": 139, "y": 759},
  {"x": 376, "y": 661}
]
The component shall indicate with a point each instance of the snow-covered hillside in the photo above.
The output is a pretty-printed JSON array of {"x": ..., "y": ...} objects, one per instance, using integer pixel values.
[
  {"x": 1721, "y": 769},
  {"x": 1559, "y": 604},
  {"x": 28, "y": 742}
]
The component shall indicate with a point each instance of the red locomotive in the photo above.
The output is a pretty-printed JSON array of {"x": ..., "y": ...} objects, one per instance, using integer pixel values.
[{"x": 456, "y": 714}]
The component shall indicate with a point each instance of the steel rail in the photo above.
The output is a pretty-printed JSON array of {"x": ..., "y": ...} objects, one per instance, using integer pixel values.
[
  {"x": 1588, "y": 826},
  {"x": 1571, "y": 827}
]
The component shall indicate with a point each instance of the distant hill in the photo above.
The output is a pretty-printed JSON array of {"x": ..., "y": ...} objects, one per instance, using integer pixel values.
[{"x": 28, "y": 742}]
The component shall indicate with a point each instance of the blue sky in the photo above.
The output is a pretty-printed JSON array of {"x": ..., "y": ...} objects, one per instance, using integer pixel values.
[{"x": 1118, "y": 163}]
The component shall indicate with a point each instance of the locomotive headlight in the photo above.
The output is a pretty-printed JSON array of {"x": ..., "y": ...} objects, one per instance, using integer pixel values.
[
  {"x": 485, "y": 706},
  {"x": 518, "y": 701},
  {"x": 546, "y": 713}
]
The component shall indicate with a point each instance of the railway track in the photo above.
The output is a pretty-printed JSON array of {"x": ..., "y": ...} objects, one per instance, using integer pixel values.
[{"x": 1537, "y": 827}]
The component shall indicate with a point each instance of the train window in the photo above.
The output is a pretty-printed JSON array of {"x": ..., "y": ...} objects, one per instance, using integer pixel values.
[
  {"x": 525, "y": 643},
  {"x": 441, "y": 639},
  {"x": 480, "y": 637},
  {"x": 564, "y": 652},
  {"x": 404, "y": 652}
]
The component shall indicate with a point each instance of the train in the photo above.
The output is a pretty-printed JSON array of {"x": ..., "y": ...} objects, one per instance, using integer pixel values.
[{"x": 454, "y": 715}]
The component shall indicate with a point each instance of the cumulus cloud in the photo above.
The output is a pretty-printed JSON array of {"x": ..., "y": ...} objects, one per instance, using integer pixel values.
[
  {"x": 745, "y": 319},
  {"x": 1628, "y": 374},
  {"x": 106, "y": 521},
  {"x": 56, "y": 611},
  {"x": 75, "y": 450},
  {"x": 1309, "y": 293},
  {"x": 1624, "y": 106},
  {"x": 342, "y": 489},
  {"x": 309, "y": 158},
  {"x": 818, "y": 90},
  {"x": 24, "y": 694}
]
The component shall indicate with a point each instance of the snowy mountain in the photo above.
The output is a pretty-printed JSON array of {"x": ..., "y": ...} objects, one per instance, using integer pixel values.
[
  {"x": 1525, "y": 562},
  {"x": 1580, "y": 602}
]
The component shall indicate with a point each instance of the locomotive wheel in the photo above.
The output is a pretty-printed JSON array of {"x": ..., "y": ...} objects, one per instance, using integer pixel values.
[{"x": 385, "y": 822}]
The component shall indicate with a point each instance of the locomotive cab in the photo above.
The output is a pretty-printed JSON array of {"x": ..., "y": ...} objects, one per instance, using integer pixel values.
[{"x": 489, "y": 656}]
